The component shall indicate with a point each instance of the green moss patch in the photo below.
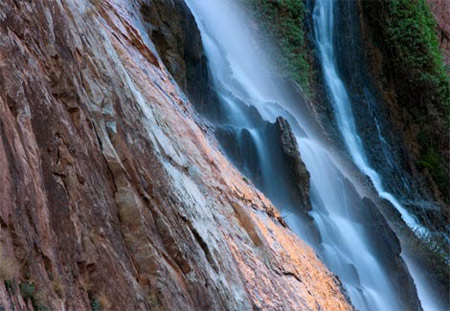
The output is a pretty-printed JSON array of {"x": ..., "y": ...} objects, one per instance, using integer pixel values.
[{"x": 282, "y": 21}]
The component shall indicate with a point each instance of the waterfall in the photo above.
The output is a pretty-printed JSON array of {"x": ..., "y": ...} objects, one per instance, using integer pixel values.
[
  {"x": 240, "y": 73},
  {"x": 324, "y": 27},
  {"x": 324, "y": 31}
]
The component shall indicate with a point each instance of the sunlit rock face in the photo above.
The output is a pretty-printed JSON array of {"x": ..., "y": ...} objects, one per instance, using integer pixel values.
[{"x": 111, "y": 194}]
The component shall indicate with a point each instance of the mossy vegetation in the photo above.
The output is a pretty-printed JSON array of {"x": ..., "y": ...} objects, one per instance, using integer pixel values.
[
  {"x": 434, "y": 162},
  {"x": 8, "y": 268},
  {"x": 9, "y": 286},
  {"x": 411, "y": 34},
  {"x": 29, "y": 292},
  {"x": 95, "y": 305},
  {"x": 407, "y": 31},
  {"x": 283, "y": 22}
]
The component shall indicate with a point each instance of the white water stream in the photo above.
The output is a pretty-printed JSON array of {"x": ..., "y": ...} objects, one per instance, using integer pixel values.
[
  {"x": 240, "y": 72},
  {"x": 324, "y": 31}
]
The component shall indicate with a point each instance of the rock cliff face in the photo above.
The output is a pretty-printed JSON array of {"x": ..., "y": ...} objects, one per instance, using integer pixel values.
[
  {"x": 418, "y": 106},
  {"x": 441, "y": 12},
  {"x": 113, "y": 195},
  {"x": 386, "y": 114}
]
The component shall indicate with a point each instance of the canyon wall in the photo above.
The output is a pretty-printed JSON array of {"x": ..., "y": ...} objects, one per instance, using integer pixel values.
[
  {"x": 114, "y": 195},
  {"x": 441, "y": 12},
  {"x": 404, "y": 43}
]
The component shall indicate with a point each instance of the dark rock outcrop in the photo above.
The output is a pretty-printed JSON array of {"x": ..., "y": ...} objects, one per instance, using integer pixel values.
[
  {"x": 293, "y": 165},
  {"x": 289, "y": 179},
  {"x": 173, "y": 30}
]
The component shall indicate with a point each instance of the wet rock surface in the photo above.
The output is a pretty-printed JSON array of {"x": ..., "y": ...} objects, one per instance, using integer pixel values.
[
  {"x": 294, "y": 167},
  {"x": 382, "y": 123},
  {"x": 112, "y": 195},
  {"x": 385, "y": 129},
  {"x": 380, "y": 134},
  {"x": 384, "y": 240},
  {"x": 174, "y": 33},
  {"x": 415, "y": 109}
]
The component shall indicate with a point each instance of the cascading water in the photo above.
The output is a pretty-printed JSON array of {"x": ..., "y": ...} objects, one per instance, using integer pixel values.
[
  {"x": 324, "y": 26},
  {"x": 324, "y": 30},
  {"x": 349, "y": 244}
]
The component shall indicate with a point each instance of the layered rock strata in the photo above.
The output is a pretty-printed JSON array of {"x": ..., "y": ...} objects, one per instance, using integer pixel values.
[{"x": 112, "y": 195}]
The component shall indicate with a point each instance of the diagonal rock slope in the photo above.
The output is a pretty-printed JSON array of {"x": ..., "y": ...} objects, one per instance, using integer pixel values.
[{"x": 112, "y": 196}]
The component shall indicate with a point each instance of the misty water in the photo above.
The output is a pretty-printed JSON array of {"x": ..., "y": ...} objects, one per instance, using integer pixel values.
[
  {"x": 241, "y": 77},
  {"x": 324, "y": 30}
]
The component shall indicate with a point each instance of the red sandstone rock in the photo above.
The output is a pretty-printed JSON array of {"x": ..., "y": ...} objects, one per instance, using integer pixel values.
[{"x": 110, "y": 193}]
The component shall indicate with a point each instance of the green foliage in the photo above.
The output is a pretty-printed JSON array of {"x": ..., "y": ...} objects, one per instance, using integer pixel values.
[
  {"x": 27, "y": 290},
  {"x": 412, "y": 35},
  {"x": 433, "y": 161},
  {"x": 39, "y": 307},
  {"x": 95, "y": 305},
  {"x": 9, "y": 286},
  {"x": 282, "y": 21},
  {"x": 412, "y": 41},
  {"x": 434, "y": 250}
]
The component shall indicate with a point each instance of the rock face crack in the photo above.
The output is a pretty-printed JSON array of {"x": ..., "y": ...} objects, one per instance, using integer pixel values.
[
  {"x": 203, "y": 245},
  {"x": 103, "y": 156}
]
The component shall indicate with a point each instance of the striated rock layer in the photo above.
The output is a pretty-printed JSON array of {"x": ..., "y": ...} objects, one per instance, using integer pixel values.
[{"x": 111, "y": 194}]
